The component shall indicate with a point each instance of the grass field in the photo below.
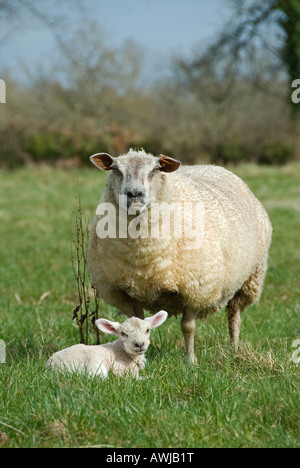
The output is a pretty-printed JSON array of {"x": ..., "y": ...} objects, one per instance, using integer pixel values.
[{"x": 250, "y": 400}]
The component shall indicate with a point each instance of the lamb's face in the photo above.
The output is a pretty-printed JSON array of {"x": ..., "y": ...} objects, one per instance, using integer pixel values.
[
  {"x": 134, "y": 332},
  {"x": 136, "y": 178},
  {"x": 135, "y": 335}
]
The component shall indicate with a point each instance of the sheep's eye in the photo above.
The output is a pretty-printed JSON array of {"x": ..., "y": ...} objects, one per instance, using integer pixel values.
[
  {"x": 154, "y": 171},
  {"x": 116, "y": 170},
  {"x": 148, "y": 330},
  {"x": 124, "y": 334}
]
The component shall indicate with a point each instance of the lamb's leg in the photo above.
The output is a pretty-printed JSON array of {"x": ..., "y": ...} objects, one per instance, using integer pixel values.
[
  {"x": 100, "y": 371},
  {"x": 188, "y": 325}
]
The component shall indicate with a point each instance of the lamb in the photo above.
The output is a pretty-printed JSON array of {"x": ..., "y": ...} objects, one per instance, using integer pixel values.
[
  {"x": 136, "y": 272},
  {"x": 122, "y": 356}
]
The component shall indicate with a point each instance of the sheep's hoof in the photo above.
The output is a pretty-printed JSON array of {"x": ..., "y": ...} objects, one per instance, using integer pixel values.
[
  {"x": 235, "y": 346},
  {"x": 192, "y": 359}
]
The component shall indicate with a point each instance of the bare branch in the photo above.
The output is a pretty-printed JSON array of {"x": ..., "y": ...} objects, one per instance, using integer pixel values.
[
  {"x": 236, "y": 49},
  {"x": 82, "y": 312}
]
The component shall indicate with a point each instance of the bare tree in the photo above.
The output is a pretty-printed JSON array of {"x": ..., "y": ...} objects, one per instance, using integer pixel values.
[
  {"x": 259, "y": 43},
  {"x": 51, "y": 15}
]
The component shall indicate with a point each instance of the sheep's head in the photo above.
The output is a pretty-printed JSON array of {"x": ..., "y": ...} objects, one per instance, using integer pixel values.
[
  {"x": 134, "y": 332},
  {"x": 136, "y": 177}
]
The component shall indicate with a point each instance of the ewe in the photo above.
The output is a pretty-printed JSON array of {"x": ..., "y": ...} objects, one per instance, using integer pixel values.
[
  {"x": 225, "y": 267},
  {"x": 124, "y": 355}
]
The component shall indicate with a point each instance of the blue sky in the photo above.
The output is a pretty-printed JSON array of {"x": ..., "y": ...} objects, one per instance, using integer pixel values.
[{"x": 162, "y": 27}]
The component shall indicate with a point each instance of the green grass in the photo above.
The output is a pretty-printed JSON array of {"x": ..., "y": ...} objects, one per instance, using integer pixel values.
[{"x": 251, "y": 400}]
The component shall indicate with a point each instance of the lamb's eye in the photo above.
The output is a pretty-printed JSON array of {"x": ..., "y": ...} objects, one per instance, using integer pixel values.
[
  {"x": 124, "y": 334},
  {"x": 148, "y": 330}
]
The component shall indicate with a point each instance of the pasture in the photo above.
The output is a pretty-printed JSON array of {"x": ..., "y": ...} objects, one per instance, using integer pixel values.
[{"x": 247, "y": 400}]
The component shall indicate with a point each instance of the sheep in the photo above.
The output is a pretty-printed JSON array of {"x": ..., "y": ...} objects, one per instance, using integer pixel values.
[
  {"x": 225, "y": 269},
  {"x": 122, "y": 356}
]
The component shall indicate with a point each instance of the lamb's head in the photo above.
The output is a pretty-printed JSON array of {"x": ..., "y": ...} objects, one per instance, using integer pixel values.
[
  {"x": 136, "y": 177},
  {"x": 134, "y": 332}
]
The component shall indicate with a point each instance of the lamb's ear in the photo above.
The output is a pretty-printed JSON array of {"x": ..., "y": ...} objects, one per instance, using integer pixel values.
[
  {"x": 108, "y": 327},
  {"x": 157, "y": 319},
  {"x": 102, "y": 160},
  {"x": 168, "y": 164}
]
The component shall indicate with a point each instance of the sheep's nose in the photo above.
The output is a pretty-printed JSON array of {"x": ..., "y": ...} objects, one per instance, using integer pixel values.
[{"x": 134, "y": 194}]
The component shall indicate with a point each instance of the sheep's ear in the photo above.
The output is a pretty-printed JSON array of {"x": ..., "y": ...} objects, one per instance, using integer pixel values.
[
  {"x": 102, "y": 160},
  {"x": 168, "y": 164},
  {"x": 108, "y": 327},
  {"x": 157, "y": 319}
]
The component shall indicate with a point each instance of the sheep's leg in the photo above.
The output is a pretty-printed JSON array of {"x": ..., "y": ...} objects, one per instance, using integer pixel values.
[
  {"x": 234, "y": 324},
  {"x": 188, "y": 325},
  {"x": 138, "y": 310},
  {"x": 247, "y": 295},
  {"x": 131, "y": 307},
  {"x": 122, "y": 301}
]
